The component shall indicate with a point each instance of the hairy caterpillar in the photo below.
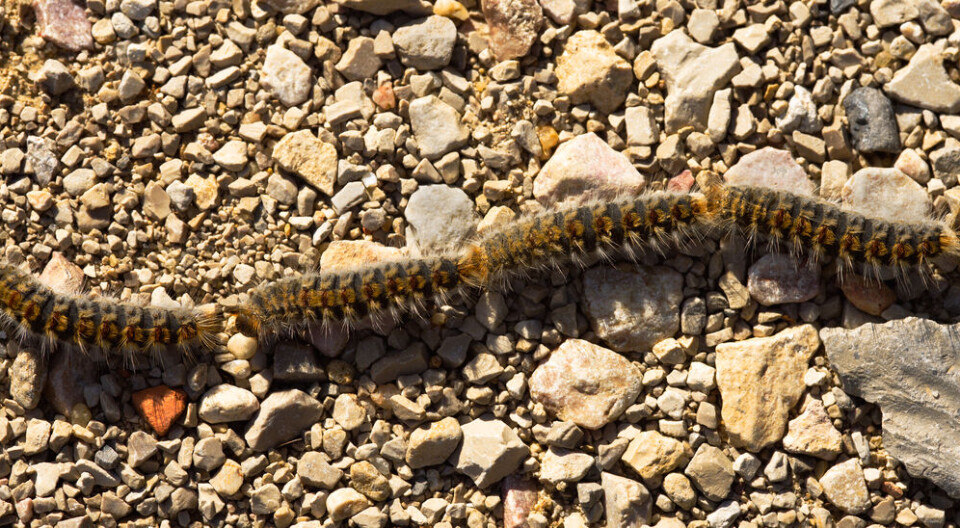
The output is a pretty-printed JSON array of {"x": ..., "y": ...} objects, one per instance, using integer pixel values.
[
  {"x": 823, "y": 229},
  {"x": 31, "y": 310}
]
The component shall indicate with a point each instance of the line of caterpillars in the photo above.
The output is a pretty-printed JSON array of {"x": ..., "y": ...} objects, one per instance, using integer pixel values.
[{"x": 650, "y": 222}]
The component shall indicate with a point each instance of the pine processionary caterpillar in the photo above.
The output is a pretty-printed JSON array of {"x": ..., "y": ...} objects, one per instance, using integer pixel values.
[{"x": 29, "y": 309}]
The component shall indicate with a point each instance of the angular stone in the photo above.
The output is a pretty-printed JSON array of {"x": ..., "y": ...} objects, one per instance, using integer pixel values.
[
  {"x": 296, "y": 363},
  {"x": 314, "y": 470},
  {"x": 873, "y": 125},
  {"x": 924, "y": 82},
  {"x": 564, "y": 465},
  {"x": 693, "y": 74},
  {"x": 490, "y": 451},
  {"x": 627, "y": 503},
  {"x": 344, "y": 503},
  {"x": 583, "y": 168},
  {"x": 427, "y": 43},
  {"x": 812, "y": 433},
  {"x": 514, "y": 26},
  {"x": 888, "y": 194},
  {"x": 779, "y": 279},
  {"x": 711, "y": 471},
  {"x": 359, "y": 62},
  {"x": 440, "y": 216},
  {"x": 653, "y": 455},
  {"x": 910, "y": 368},
  {"x": 432, "y": 444},
  {"x": 635, "y": 309},
  {"x": 436, "y": 126},
  {"x": 585, "y": 384},
  {"x": 306, "y": 156},
  {"x": 283, "y": 415},
  {"x": 229, "y": 479},
  {"x": 412, "y": 360},
  {"x": 366, "y": 478},
  {"x": 227, "y": 403},
  {"x": 845, "y": 487},
  {"x": 771, "y": 168},
  {"x": 64, "y": 23},
  {"x": 760, "y": 380},
  {"x": 519, "y": 498},
  {"x": 161, "y": 406},
  {"x": 589, "y": 70},
  {"x": 286, "y": 76},
  {"x": 288, "y": 7}
]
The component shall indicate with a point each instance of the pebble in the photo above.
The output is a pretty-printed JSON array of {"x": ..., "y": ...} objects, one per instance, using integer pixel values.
[
  {"x": 28, "y": 374},
  {"x": 427, "y": 43},
  {"x": 779, "y": 279},
  {"x": 760, "y": 381},
  {"x": 360, "y": 61},
  {"x": 679, "y": 489},
  {"x": 585, "y": 384},
  {"x": 801, "y": 113},
  {"x": 160, "y": 406},
  {"x": 440, "y": 216},
  {"x": 891, "y": 13},
  {"x": 286, "y": 76},
  {"x": 348, "y": 412},
  {"x": 910, "y": 163},
  {"x": 845, "y": 487},
  {"x": 908, "y": 378},
  {"x": 873, "y": 125},
  {"x": 693, "y": 74},
  {"x": 886, "y": 193},
  {"x": 633, "y": 310},
  {"x": 314, "y": 469},
  {"x": 283, "y": 415},
  {"x": 626, "y": 502},
  {"x": 436, "y": 126},
  {"x": 37, "y": 437},
  {"x": 229, "y": 478},
  {"x": 64, "y": 23},
  {"x": 490, "y": 451},
  {"x": 589, "y": 70},
  {"x": 519, "y": 498},
  {"x": 432, "y": 444},
  {"x": 79, "y": 181},
  {"x": 310, "y": 158},
  {"x": 584, "y": 168},
  {"x": 232, "y": 156},
  {"x": 725, "y": 515},
  {"x": 564, "y": 465},
  {"x": 812, "y": 433},
  {"x": 924, "y": 82},
  {"x": 365, "y": 478},
  {"x": 411, "y": 360},
  {"x": 771, "y": 168},
  {"x": 653, "y": 455},
  {"x": 41, "y": 157},
  {"x": 56, "y": 79},
  {"x": 703, "y": 25},
  {"x": 228, "y": 403},
  {"x": 208, "y": 454},
  {"x": 514, "y": 26},
  {"x": 344, "y": 503},
  {"x": 288, "y": 7},
  {"x": 141, "y": 447},
  {"x": 711, "y": 471}
]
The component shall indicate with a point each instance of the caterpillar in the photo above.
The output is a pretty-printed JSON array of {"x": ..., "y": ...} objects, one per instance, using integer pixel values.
[
  {"x": 30, "y": 310},
  {"x": 823, "y": 229}
]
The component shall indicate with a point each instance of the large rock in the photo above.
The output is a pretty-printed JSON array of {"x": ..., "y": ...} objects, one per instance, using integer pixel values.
[
  {"x": 64, "y": 23},
  {"x": 633, "y": 310},
  {"x": 589, "y": 70},
  {"x": 888, "y": 194},
  {"x": 514, "y": 26},
  {"x": 585, "y": 384},
  {"x": 283, "y": 415},
  {"x": 489, "y": 452},
  {"x": 771, "y": 168},
  {"x": 426, "y": 44},
  {"x": 584, "y": 168},
  {"x": 711, "y": 471},
  {"x": 845, "y": 487},
  {"x": 440, "y": 217},
  {"x": 760, "y": 380},
  {"x": 910, "y": 368},
  {"x": 924, "y": 82},
  {"x": 693, "y": 73},
  {"x": 313, "y": 160},
  {"x": 627, "y": 502}
]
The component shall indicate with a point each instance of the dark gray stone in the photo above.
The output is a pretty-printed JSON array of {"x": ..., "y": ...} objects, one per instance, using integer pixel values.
[
  {"x": 873, "y": 126},
  {"x": 296, "y": 363},
  {"x": 839, "y": 6}
]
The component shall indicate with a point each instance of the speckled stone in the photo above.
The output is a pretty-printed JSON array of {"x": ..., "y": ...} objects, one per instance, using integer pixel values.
[
  {"x": 583, "y": 168},
  {"x": 779, "y": 279}
]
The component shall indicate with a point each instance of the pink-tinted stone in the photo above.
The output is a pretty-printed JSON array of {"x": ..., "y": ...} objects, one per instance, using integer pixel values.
[
  {"x": 771, "y": 168},
  {"x": 584, "y": 168},
  {"x": 61, "y": 275},
  {"x": 64, "y": 23},
  {"x": 779, "y": 279},
  {"x": 347, "y": 254},
  {"x": 514, "y": 26},
  {"x": 585, "y": 384},
  {"x": 682, "y": 182},
  {"x": 519, "y": 497},
  {"x": 812, "y": 433},
  {"x": 911, "y": 164},
  {"x": 886, "y": 193},
  {"x": 384, "y": 96},
  {"x": 869, "y": 295}
]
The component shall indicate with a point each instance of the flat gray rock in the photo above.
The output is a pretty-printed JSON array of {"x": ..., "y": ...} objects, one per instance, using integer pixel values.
[{"x": 910, "y": 368}]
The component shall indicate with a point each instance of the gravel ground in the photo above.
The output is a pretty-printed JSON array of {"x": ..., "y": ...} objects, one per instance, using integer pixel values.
[{"x": 175, "y": 152}]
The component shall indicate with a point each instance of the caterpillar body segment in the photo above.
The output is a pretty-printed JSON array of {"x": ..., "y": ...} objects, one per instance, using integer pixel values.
[
  {"x": 33, "y": 311},
  {"x": 383, "y": 289}
]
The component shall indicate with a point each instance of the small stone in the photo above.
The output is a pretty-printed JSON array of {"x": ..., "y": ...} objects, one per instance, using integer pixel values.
[
  {"x": 812, "y": 433},
  {"x": 440, "y": 216},
  {"x": 436, "y": 126},
  {"x": 924, "y": 82},
  {"x": 910, "y": 163},
  {"x": 37, "y": 437},
  {"x": 627, "y": 502},
  {"x": 641, "y": 126},
  {"x": 585, "y": 384},
  {"x": 514, "y": 26},
  {"x": 801, "y": 113},
  {"x": 845, "y": 487},
  {"x": 411, "y": 360},
  {"x": 286, "y": 76},
  {"x": 140, "y": 448},
  {"x": 873, "y": 125},
  {"x": 703, "y": 25},
  {"x": 725, "y": 515},
  {"x": 55, "y": 77},
  {"x": 583, "y": 168},
  {"x": 28, "y": 374},
  {"x": 313, "y": 160},
  {"x": 64, "y": 23},
  {"x": 229, "y": 479},
  {"x": 291, "y": 7},
  {"x": 711, "y": 471},
  {"x": 589, "y": 70},
  {"x": 227, "y": 403},
  {"x": 680, "y": 491},
  {"x": 345, "y": 503},
  {"x": 633, "y": 310},
  {"x": 208, "y": 454},
  {"x": 79, "y": 181},
  {"x": 653, "y": 455},
  {"x": 563, "y": 465},
  {"x": 427, "y": 43},
  {"x": 156, "y": 201},
  {"x": 160, "y": 406},
  {"x": 283, "y": 415},
  {"x": 892, "y": 13},
  {"x": 43, "y": 159},
  {"x": 138, "y": 9},
  {"x": 693, "y": 73},
  {"x": 365, "y": 478},
  {"x": 232, "y": 156},
  {"x": 181, "y": 196},
  {"x": 760, "y": 380},
  {"x": 348, "y": 412},
  {"x": 490, "y": 451},
  {"x": 887, "y": 194},
  {"x": 432, "y": 444},
  {"x": 519, "y": 498},
  {"x": 771, "y": 168},
  {"x": 752, "y": 38},
  {"x": 131, "y": 85},
  {"x": 779, "y": 279},
  {"x": 314, "y": 469}
]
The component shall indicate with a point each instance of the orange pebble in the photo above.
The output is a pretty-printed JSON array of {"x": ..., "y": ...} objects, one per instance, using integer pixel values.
[{"x": 160, "y": 406}]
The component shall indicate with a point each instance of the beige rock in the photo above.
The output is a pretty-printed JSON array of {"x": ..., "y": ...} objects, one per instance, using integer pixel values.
[
  {"x": 888, "y": 194},
  {"x": 61, "y": 275},
  {"x": 771, "y": 168},
  {"x": 348, "y": 254},
  {"x": 812, "y": 433},
  {"x": 760, "y": 380},
  {"x": 845, "y": 487},
  {"x": 432, "y": 444},
  {"x": 344, "y": 503},
  {"x": 924, "y": 82},
  {"x": 313, "y": 160},
  {"x": 589, "y": 70},
  {"x": 653, "y": 455}
]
